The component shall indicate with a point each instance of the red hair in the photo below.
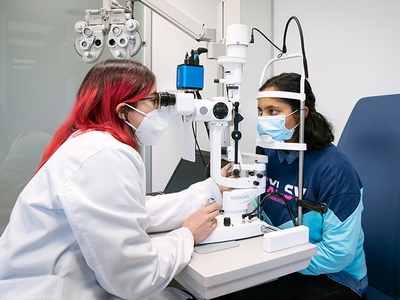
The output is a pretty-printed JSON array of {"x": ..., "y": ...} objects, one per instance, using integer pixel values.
[{"x": 106, "y": 85}]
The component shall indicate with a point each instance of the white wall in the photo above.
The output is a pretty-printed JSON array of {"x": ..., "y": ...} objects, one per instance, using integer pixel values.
[
  {"x": 169, "y": 47},
  {"x": 352, "y": 49}
]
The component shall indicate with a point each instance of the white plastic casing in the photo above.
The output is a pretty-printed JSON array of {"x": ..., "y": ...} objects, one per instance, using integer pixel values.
[{"x": 285, "y": 238}]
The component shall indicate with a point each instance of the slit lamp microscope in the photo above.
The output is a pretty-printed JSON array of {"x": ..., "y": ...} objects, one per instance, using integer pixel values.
[{"x": 114, "y": 25}]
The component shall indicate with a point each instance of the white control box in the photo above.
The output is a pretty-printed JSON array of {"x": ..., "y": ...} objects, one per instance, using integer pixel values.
[{"x": 285, "y": 238}]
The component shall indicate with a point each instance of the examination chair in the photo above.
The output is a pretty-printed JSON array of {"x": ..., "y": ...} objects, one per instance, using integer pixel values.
[{"x": 371, "y": 140}]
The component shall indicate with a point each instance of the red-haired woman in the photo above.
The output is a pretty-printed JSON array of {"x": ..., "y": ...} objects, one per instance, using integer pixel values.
[{"x": 79, "y": 228}]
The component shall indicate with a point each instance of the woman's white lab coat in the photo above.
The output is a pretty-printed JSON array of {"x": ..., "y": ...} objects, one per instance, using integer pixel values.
[{"x": 79, "y": 228}]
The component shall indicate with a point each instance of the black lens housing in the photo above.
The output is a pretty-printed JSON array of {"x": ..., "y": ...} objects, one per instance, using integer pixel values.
[{"x": 166, "y": 99}]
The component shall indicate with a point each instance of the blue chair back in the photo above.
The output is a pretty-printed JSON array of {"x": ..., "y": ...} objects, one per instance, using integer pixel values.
[{"x": 371, "y": 140}]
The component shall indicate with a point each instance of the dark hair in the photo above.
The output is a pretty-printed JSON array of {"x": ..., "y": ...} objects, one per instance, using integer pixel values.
[{"x": 317, "y": 130}]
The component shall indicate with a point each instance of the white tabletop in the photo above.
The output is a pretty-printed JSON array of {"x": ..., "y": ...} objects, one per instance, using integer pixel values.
[{"x": 222, "y": 272}]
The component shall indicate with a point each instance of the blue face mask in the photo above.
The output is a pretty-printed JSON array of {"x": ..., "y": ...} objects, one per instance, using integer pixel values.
[{"x": 274, "y": 126}]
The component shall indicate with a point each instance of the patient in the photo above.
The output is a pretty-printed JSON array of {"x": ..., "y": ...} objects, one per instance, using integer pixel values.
[{"x": 338, "y": 270}]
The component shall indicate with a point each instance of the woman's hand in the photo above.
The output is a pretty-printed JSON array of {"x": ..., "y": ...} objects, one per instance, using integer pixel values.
[
  {"x": 202, "y": 222},
  {"x": 225, "y": 172}
]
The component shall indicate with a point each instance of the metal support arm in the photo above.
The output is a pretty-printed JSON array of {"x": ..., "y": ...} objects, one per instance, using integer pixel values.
[{"x": 181, "y": 19}]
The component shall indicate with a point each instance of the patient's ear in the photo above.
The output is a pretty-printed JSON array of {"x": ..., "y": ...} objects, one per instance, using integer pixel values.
[
  {"x": 305, "y": 111},
  {"x": 120, "y": 110}
]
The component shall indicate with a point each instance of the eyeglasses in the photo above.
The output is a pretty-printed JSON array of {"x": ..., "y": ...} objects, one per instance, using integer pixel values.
[
  {"x": 161, "y": 99},
  {"x": 155, "y": 98}
]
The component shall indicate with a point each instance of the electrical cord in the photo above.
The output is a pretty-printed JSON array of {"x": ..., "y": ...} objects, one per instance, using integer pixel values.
[
  {"x": 257, "y": 212},
  {"x": 310, "y": 205},
  {"x": 303, "y": 50},
  {"x": 282, "y": 197},
  {"x": 197, "y": 95},
  {"x": 260, "y": 32},
  {"x": 284, "y": 48}
]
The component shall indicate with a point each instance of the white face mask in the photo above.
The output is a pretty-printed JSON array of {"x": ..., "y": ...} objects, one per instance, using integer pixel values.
[{"x": 152, "y": 127}]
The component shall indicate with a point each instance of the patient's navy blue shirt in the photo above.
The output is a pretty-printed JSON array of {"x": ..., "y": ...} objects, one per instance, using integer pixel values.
[{"x": 328, "y": 178}]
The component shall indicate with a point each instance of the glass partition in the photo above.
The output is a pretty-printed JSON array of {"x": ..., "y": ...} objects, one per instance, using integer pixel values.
[{"x": 40, "y": 73}]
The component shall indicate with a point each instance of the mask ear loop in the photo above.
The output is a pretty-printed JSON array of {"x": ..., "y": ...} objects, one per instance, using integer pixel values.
[
  {"x": 131, "y": 127},
  {"x": 135, "y": 109},
  {"x": 126, "y": 115},
  {"x": 292, "y": 113},
  {"x": 297, "y": 125}
]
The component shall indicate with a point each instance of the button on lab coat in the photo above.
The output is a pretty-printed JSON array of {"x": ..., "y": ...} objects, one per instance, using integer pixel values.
[{"x": 79, "y": 228}]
